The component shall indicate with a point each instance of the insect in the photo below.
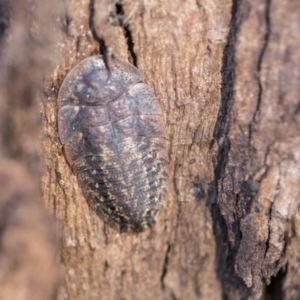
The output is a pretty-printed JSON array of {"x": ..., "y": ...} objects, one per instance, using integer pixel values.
[{"x": 110, "y": 124}]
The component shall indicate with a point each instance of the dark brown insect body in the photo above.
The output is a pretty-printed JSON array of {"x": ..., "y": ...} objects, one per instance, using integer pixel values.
[{"x": 111, "y": 127}]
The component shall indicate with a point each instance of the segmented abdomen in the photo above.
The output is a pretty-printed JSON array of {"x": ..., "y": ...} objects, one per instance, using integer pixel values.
[{"x": 111, "y": 127}]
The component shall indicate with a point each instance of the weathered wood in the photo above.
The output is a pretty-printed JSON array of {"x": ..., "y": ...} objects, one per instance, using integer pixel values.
[
  {"x": 226, "y": 74},
  {"x": 178, "y": 48},
  {"x": 258, "y": 169}
]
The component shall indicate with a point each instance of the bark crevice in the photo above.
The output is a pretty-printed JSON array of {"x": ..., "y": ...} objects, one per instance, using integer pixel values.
[
  {"x": 226, "y": 254},
  {"x": 103, "y": 47},
  {"x": 125, "y": 24},
  {"x": 165, "y": 267}
]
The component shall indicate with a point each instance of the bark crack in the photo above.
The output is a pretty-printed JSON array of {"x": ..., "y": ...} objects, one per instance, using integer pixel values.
[
  {"x": 103, "y": 48},
  {"x": 259, "y": 67},
  {"x": 272, "y": 203},
  {"x": 223, "y": 230},
  {"x": 124, "y": 23},
  {"x": 165, "y": 267}
]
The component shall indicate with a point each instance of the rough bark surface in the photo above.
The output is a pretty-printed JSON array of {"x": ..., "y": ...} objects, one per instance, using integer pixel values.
[
  {"x": 258, "y": 165},
  {"x": 178, "y": 48},
  {"x": 226, "y": 74}
]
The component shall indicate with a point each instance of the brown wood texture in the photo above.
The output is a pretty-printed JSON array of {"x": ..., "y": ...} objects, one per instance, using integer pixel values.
[
  {"x": 178, "y": 48},
  {"x": 258, "y": 167},
  {"x": 226, "y": 74}
]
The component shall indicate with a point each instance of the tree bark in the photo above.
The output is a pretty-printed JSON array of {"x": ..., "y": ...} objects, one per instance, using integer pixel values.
[
  {"x": 178, "y": 48},
  {"x": 28, "y": 240},
  {"x": 258, "y": 165},
  {"x": 226, "y": 74}
]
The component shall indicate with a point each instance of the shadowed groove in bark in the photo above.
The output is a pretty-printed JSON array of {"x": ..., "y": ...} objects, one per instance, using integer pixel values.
[
  {"x": 127, "y": 32},
  {"x": 102, "y": 45},
  {"x": 231, "y": 249},
  {"x": 119, "y": 14},
  {"x": 226, "y": 253},
  {"x": 165, "y": 267},
  {"x": 274, "y": 289}
]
